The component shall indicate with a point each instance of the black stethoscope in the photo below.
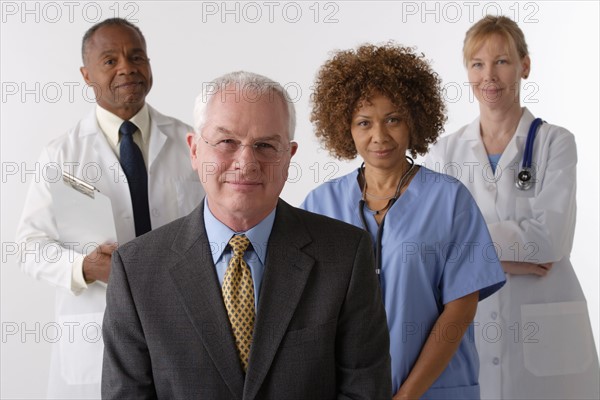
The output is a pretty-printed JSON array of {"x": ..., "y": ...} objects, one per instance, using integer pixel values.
[
  {"x": 379, "y": 233},
  {"x": 392, "y": 200},
  {"x": 524, "y": 177}
]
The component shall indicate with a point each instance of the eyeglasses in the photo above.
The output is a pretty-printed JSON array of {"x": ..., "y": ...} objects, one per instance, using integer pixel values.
[{"x": 268, "y": 150}]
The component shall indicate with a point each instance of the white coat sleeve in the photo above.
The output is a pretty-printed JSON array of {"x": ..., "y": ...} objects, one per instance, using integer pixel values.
[
  {"x": 41, "y": 254},
  {"x": 546, "y": 235}
]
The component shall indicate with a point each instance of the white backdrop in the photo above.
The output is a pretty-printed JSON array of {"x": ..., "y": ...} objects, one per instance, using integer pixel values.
[{"x": 190, "y": 43}]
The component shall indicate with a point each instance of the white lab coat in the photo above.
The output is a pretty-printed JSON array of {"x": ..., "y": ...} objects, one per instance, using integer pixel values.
[
  {"x": 173, "y": 190},
  {"x": 533, "y": 336}
]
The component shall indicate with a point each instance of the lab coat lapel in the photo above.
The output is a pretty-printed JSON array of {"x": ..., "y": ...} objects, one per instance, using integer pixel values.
[
  {"x": 476, "y": 149},
  {"x": 113, "y": 176},
  {"x": 101, "y": 156},
  {"x": 199, "y": 291},
  {"x": 286, "y": 271},
  {"x": 112, "y": 181},
  {"x": 157, "y": 136},
  {"x": 476, "y": 171},
  {"x": 512, "y": 158}
]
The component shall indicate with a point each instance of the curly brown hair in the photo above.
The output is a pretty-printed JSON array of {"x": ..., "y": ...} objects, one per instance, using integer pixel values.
[{"x": 354, "y": 76}]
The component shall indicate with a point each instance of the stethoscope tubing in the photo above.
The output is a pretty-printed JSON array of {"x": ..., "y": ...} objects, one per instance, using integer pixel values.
[
  {"x": 524, "y": 176},
  {"x": 361, "y": 209},
  {"x": 379, "y": 237},
  {"x": 528, "y": 154}
]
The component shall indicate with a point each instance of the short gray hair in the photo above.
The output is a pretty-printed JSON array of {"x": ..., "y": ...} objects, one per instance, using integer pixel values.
[{"x": 246, "y": 82}]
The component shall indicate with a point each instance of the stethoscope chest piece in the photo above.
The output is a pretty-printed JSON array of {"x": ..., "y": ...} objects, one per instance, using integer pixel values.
[{"x": 524, "y": 179}]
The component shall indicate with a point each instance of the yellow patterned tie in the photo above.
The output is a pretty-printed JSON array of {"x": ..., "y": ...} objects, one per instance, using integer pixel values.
[{"x": 238, "y": 295}]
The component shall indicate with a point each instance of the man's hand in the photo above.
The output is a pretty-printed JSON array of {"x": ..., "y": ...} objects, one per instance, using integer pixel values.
[{"x": 96, "y": 265}]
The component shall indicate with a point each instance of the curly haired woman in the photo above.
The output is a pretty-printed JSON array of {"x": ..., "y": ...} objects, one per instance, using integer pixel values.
[{"x": 435, "y": 257}]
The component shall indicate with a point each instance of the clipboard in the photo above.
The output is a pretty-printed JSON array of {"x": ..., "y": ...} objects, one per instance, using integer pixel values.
[{"x": 83, "y": 215}]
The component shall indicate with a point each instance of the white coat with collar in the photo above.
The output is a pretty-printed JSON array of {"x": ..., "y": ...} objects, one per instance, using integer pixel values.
[
  {"x": 173, "y": 191},
  {"x": 533, "y": 336}
]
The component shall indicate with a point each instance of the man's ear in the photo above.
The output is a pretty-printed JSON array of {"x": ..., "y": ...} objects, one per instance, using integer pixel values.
[
  {"x": 294, "y": 148},
  {"x": 191, "y": 141},
  {"x": 85, "y": 74}
]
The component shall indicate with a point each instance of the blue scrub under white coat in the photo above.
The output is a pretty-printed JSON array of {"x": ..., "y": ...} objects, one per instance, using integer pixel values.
[{"x": 436, "y": 248}]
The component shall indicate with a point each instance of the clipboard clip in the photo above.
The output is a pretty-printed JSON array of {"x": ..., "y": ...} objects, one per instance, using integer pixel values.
[{"x": 79, "y": 185}]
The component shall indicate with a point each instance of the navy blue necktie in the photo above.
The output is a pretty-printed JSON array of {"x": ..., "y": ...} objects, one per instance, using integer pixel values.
[{"x": 133, "y": 165}]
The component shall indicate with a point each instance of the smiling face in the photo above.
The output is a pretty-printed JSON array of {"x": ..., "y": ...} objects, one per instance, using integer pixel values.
[
  {"x": 118, "y": 68},
  {"x": 380, "y": 134},
  {"x": 495, "y": 73},
  {"x": 240, "y": 189}
]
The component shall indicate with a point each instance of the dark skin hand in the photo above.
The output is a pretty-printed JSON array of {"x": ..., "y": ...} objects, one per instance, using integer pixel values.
[
  {"x": 439, "y": 349},
  {"x": 96, "y": 265}
]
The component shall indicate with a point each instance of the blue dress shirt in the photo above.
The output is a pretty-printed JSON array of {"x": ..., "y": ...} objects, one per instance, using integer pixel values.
[{"x": 255, "y": 256}]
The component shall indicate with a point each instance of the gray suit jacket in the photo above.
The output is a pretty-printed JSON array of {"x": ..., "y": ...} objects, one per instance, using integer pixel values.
[{"x": 320, "y": 330}]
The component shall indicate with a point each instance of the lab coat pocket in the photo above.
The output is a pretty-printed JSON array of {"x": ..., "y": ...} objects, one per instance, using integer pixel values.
[
  {"x": 81, "y": 348},
  {"x": 557, "y": 338}
]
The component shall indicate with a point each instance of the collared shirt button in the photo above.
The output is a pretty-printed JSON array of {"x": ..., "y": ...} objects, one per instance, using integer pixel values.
[
  {"x": 155, "y": 212},
  {"x": 494, "y": 315},
  {"x": 496, "y": 361}
]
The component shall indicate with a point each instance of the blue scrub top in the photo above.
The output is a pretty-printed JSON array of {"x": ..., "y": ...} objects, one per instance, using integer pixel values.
[{"x": 436, "y": 248}]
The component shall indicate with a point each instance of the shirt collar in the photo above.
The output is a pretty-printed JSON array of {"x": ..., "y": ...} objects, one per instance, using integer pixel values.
[
  {"x": 110, "y": 124},
  {"x": 219, "y": 234}
]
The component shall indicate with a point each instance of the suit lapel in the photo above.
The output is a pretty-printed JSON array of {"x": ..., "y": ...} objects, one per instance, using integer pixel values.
[
  {"x": 199, "y": 291},
  {"x": 286, "y": 272}
]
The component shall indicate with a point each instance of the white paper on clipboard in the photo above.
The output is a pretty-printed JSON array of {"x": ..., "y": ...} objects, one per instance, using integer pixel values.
[{"x": 83, "y": 215}]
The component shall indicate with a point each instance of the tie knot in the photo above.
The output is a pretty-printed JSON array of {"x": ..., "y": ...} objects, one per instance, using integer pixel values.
[
  {"x": 239, "y": 244},
  {"x": 127, "y": 128}
]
